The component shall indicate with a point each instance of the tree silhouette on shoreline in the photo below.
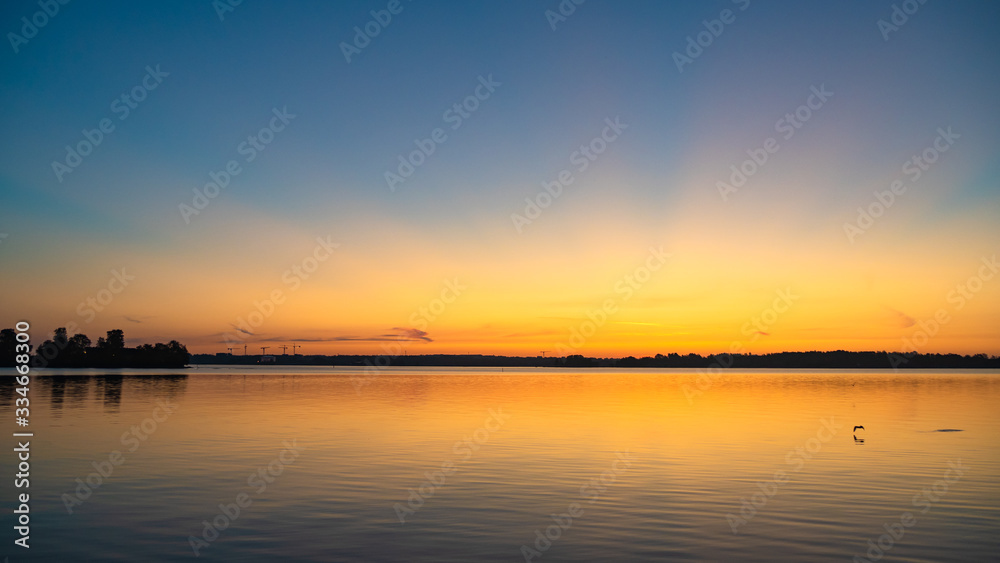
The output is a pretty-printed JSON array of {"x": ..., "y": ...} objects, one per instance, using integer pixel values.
[{"x": 63, "y": 351}]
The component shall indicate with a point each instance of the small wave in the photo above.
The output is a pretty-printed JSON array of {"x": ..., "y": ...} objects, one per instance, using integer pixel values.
[{"x": 948, "y": 430}]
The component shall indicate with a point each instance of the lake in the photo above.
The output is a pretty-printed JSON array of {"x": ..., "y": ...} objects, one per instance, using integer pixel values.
[{"x": 478, "y": 464}]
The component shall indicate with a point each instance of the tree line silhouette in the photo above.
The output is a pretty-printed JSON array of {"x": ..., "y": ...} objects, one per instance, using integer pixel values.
[
  {"x": 815, "y": 359},
  {"x": 63, "y": 351},
  {"x": 793, "y": 360}
]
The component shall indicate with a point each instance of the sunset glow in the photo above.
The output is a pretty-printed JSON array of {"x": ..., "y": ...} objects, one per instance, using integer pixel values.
[{"x": 755, "y": 181}]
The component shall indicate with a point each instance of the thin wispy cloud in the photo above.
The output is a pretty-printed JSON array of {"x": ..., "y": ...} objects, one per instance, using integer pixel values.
[
  {"x": 412, "y": 334},
  {"x": 395, "y": 334},
  {"x": 900, "y": 319}
]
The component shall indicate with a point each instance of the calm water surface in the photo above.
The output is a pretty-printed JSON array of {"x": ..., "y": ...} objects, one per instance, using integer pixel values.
[{"x": 471, "y": 464}]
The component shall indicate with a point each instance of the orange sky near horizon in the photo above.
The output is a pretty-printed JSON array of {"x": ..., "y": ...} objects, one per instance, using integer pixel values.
[{"x": 727, "y": 285}]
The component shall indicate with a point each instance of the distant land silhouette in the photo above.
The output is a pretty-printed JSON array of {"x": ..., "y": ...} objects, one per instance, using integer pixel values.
[
  {"x": 76, "y": 352},
  {"x": 799, "y": 360},
  {"x": 110, "y": 352}
]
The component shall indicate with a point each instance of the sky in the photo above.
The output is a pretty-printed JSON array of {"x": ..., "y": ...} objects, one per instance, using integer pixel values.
[{"x": 604, "y": 178}]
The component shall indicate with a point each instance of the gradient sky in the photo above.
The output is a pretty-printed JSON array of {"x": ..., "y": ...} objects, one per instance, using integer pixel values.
[{"x": 655, "y": 186}]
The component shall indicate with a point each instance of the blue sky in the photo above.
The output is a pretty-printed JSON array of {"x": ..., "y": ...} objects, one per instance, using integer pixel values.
[{"x": 324, "y": 173}]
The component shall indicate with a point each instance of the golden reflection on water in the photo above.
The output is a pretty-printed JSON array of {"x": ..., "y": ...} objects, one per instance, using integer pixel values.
[{"x": 522, "y": 443}]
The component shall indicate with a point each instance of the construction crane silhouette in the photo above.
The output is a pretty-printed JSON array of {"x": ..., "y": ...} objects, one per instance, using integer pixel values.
[
  {"x": 244, "y": 349},
  {"x": 544, "y": 352},
  {"x": 284, "y": 349},
  {"x": 294, "y": 346},
  {"x": 263, "y": 350},
  {"x": 230, "y": 351}
]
